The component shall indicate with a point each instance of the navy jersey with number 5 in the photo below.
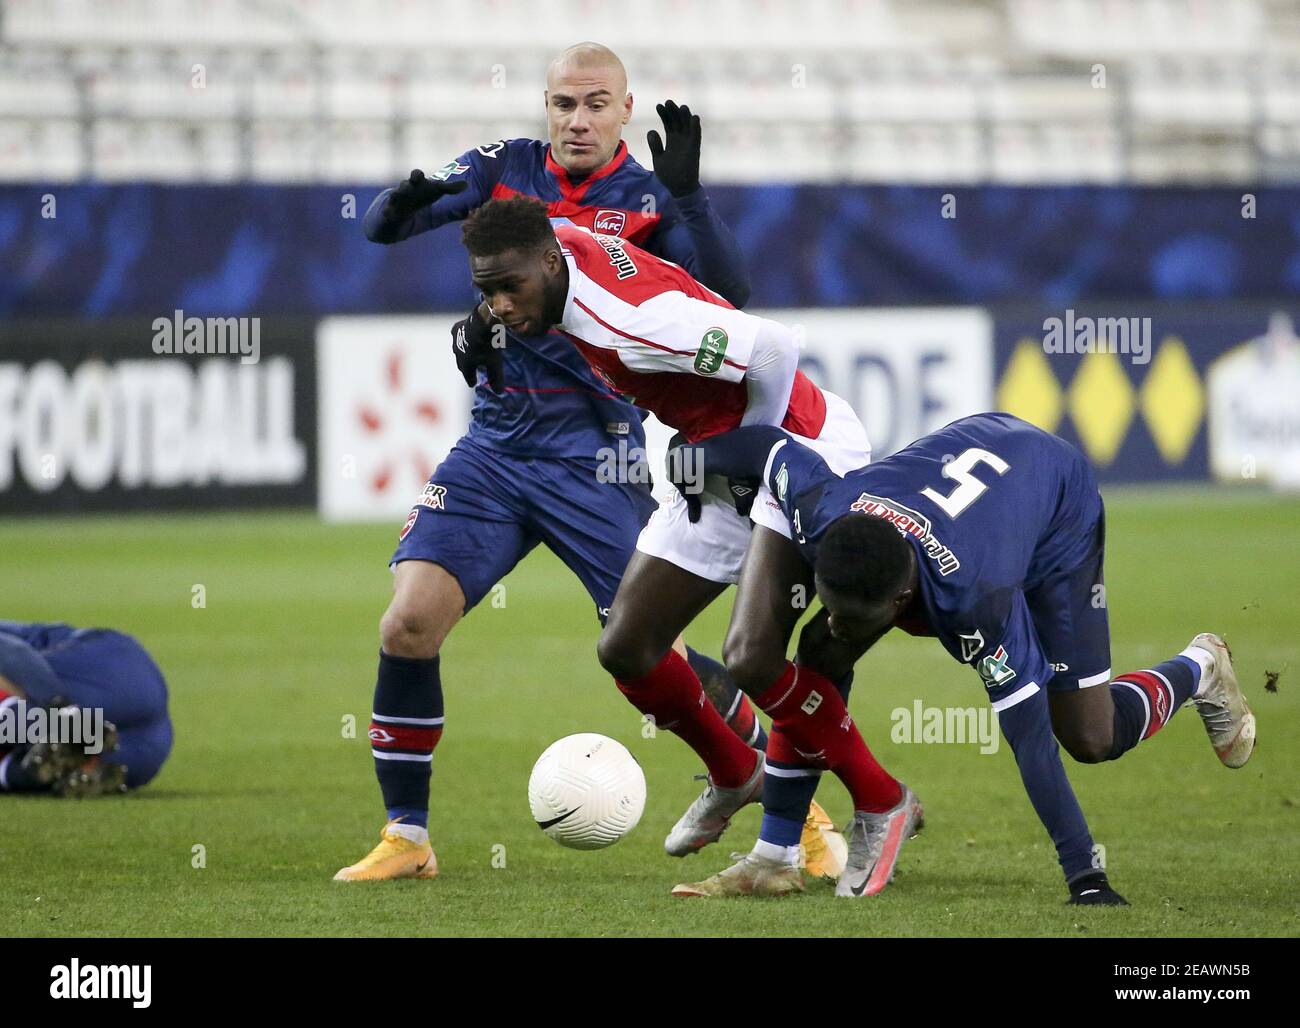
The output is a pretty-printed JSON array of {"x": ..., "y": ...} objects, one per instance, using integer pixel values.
[
  {"x": 1007, "y": 526},
  {"x": 994, "y": 509}
]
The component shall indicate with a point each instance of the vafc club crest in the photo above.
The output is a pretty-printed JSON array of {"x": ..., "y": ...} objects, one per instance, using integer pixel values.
[
  {"x": 410, "y": 524},
  {"x": 610, "y": 223}
]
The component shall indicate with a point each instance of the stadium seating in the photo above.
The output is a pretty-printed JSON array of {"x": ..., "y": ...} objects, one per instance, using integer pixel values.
[{"x": 853, "y": 90}]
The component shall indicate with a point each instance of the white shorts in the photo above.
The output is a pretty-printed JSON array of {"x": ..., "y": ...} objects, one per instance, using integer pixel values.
[{"x": 714, "y": 547}]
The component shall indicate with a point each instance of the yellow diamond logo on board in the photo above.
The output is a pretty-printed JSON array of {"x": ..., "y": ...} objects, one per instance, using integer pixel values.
[
  {"x": 1101, "y": 406},
  {"x": 1028, "y": 388},
  {"x": 1172, "y": 400}
]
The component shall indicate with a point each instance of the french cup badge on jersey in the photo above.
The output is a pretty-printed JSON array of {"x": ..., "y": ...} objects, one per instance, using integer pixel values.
[
  {"x": 994, "y": 669},
  {"x": 448, "y": 170},
  {"x": 611, "y": 223},
  {"x": 712, "y": 353}
]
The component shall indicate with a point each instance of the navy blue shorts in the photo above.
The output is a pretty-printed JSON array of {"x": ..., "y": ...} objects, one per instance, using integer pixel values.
[
  {"x": 111, "y": 670},
  {"x": 1068, "y": 610},
  {"x": 482, "y": 512}
]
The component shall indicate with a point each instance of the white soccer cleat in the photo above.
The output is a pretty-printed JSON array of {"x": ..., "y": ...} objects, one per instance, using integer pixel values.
[
  {"x": 1228, "y": 719},
  {"x": 874, "y": 844},
  {"x": 707, "y": 818},
  {"x": 751, "y": 875}
]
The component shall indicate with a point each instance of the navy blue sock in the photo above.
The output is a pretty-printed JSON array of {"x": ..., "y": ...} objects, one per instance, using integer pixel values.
[
  {"x": 788, "y": 788},
  {"x": 1146, "y": 700},
  {"x": 789, "y": 785},
  {"x": 780, "y": 831},
  {"x": 404, "y": 729},
  {"x": 727, "y": 699}
]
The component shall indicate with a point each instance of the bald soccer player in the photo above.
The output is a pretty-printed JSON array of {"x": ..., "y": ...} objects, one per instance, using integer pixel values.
[{"x": 529, "y": 470}]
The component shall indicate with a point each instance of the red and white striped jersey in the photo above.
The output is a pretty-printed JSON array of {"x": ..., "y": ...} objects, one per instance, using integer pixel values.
[{"x": 664, "y": 341}]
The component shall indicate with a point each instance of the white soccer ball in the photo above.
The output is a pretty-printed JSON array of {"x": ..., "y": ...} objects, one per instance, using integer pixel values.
[{"x": 586, "y": 791}]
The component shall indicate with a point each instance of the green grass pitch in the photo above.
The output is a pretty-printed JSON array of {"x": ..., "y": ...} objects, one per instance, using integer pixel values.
[{"x": 263, "y": 778}]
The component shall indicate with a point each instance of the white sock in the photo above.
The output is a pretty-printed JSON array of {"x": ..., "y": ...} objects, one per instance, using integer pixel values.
[
  {"x": 1205, "y": 659},
  {"x": 771, "y": 851},
  {"x": 415, "y": 833}
]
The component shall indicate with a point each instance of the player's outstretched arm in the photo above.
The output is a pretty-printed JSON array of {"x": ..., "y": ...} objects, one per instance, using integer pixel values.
[
  {"x": 740, "y": 453},
  {"x": 693, "y": 235},
  {"x": 1027, "y": 727},
  {"x": 407, "y": 209},
  {"x": 739, "y": 456}
]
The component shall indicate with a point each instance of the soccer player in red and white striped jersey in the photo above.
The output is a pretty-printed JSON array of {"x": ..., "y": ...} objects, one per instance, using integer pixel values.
[{"x": 678, "y": 349}]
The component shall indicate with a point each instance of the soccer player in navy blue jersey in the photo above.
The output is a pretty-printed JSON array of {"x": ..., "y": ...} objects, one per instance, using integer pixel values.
[
  {"x": 988, "y": 534},
  {"x": 527, "y": 470},
  {"x": 83, "y": 711}
]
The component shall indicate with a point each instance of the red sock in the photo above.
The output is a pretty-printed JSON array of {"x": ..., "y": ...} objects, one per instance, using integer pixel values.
[
  {"x": 673, "y": 696},
  {"x": 808, "y": 710},
  {"x": 743, "y": 721}
]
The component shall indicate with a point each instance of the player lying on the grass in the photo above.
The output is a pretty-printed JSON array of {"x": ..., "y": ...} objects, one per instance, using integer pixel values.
[
  {"x": 83, "y": 711},
  {"x": 527, "y": 472},
  {"x": 988, "y": 534},
  {"x": 681, "y": 351}
]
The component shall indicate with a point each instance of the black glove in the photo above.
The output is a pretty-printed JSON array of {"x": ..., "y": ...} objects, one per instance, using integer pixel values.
[
  {"x": 417, "y": 192},
  {"x": 677, "y": 163},
  {"x": 1093, "y": 890},
  {"x": 684, "y": 466},
  {"x": 743, "y": 491},
  {"x": 471, "y": 343}
]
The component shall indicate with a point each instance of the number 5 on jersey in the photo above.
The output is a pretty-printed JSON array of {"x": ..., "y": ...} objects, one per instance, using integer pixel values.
[{"x": 969, "y": 488}]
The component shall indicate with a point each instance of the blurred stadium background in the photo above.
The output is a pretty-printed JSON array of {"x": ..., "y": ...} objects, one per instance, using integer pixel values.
[
  {"x": 919, "y": 185},
  {"x": 1004, "y": 160}
]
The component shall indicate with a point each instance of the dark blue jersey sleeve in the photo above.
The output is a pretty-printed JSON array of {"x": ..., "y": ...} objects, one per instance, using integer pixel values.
[
  {"x": 1015, "y": 672},
  {"x": 740, "y": 453},
  {"x": 692, "y": 235},
  {"x": 798, "y": 476},
  {"x": 480, "y": 167}
]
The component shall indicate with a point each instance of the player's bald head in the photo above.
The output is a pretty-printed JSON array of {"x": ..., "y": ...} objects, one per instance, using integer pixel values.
[
  {"x": 587, "y": 105},
  {"x": 586, "y": 61}
]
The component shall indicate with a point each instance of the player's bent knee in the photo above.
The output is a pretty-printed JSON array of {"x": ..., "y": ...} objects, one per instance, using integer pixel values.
[
  {"x": 1088, "y": 747},
  {"x": 405, "y": 631},
  {"x": 427, "y": 602},
  {"x": 625, "y": 656},
  {"x": 752, "y": 665}
]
